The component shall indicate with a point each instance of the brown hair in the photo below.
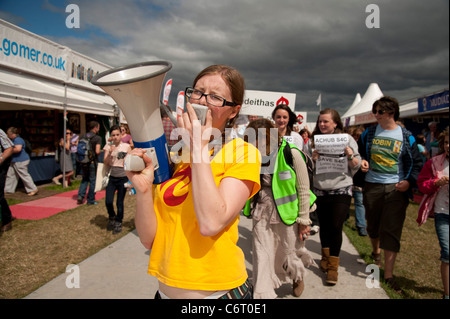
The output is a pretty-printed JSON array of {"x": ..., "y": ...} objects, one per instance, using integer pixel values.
[
  {"x": 93, "y": 124},
  {"x": 336, "y": 119},
  {"x": 292, "y": 116},
  {"x": 388, "y": 104},
  {"x": 441, "y": 140},
  {"x": 13, "y": 130},
  {"x": 234, "y": 81}
]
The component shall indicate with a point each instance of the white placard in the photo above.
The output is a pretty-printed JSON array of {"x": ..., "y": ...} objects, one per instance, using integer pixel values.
[{"x": 331, "y": 149}]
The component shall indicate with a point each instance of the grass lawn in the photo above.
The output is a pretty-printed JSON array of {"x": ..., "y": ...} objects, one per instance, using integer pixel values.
[
  {"x": 36, "y": 251},
  {"x": 417, "y": 268}
]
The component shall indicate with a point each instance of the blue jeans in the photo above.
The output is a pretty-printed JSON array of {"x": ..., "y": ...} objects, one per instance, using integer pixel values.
[
  {"x": 360, "y": 211},
  {"x": 75, "y": 164},
  {"x": 441, "y": 224},
  {"x": 89, "y": 175}
]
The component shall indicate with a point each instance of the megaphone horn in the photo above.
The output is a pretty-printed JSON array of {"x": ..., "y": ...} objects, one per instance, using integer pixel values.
[{"x": 136, "y": 89}]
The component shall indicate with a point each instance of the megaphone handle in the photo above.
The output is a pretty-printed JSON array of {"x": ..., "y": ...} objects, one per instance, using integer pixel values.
[
  {"x": 135, "y": 163},
  {"x": 157, "y": 150}
]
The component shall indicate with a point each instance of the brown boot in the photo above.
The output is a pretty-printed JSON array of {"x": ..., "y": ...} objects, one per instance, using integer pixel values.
[
  {"x": 332, "y": 273},
  {"x": 298, "y": 288},
  {"x": 324, "y": 261}
]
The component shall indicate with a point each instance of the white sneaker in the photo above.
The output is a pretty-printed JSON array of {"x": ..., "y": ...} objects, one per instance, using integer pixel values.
[{"x": 314, "y": 229}]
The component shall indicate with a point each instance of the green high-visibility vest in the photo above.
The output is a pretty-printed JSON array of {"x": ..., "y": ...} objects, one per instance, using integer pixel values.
[{"x": 283, "y": 189}]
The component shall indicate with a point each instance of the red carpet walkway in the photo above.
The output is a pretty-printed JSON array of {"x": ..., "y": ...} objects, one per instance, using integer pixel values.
[{"x": 48, "y": 206}]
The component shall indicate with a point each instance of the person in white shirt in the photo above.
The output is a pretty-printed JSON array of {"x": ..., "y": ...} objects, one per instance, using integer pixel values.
[{"x": 115, "y": 153}]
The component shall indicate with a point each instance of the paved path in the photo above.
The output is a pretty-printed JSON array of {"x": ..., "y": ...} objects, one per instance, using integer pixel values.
[{"x": 120, "y": 271}]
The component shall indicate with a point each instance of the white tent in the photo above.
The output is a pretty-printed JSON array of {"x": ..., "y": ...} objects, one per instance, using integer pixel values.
[
  {"x": 22, "y": 92},
  {"x": 409, "y": 109},
  {"x": 36, "y": 73},
  {"x": 361, "y": 113},
  {"x": 351, "y": 108}
]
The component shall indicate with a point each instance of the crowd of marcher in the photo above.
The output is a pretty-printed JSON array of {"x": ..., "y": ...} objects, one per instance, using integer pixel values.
[{"x": 190, "y": 221}]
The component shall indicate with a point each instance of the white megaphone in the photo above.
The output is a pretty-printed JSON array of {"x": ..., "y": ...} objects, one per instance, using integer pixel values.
[{"x": 137, "y": 88}]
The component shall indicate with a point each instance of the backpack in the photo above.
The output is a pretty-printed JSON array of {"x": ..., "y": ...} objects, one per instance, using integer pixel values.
[
  {"x": 85, "y": 153},
  {"x": 28, "y": 147}
]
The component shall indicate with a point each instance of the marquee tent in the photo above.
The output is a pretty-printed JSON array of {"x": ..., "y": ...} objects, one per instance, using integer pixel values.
[
  {"x": 361, "y": 113},
  {"x": 25, "y": 92},
  {"x": 36, "y": 73},
  {"x": 351, "y": 109},
  {"x": 409, "y": 109}
]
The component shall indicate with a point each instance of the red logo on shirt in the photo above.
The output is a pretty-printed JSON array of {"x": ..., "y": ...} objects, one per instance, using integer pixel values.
[{"x": 173, "y": 195}]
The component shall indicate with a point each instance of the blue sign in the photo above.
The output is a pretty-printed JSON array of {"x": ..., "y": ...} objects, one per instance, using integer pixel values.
[{"x": 433, "y": 102}]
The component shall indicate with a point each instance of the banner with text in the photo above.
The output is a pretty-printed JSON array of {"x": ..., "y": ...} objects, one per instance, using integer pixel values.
[
  {"x": 262, "y": 103},
  {"x": 433, "y": 102},
  {"x": 23, "y": 50}
]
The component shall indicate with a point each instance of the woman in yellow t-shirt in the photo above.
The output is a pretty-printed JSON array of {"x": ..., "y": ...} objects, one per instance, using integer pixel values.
[{"x": 190, "y": 222}]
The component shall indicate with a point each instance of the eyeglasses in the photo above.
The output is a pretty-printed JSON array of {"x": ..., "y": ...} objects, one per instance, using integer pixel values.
[
  {"x": 380, "y": 112},
  {"x": 211, "y": 99},
  {"x": 68, "y": 133}
]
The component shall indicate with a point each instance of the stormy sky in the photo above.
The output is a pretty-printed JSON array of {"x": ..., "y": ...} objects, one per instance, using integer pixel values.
[{"x": 305, "y": 47}]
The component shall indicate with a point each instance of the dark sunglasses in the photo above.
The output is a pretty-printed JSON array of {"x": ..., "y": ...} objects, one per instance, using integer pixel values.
[{"x": 380, "y": 112}]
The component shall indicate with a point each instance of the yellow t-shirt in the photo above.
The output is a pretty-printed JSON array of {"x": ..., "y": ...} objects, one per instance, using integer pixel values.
[{"x": 181, "y": 257}]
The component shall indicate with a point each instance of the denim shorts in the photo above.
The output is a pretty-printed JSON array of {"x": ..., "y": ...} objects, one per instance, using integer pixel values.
[{"x": 441, "y": 224}]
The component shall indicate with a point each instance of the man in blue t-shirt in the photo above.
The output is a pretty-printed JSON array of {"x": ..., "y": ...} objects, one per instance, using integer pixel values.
[
  {"x": 392, "y": 162},
  {"x": 19, "y": 165}
]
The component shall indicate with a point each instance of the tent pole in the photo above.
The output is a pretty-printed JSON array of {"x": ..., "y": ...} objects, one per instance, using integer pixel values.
[{"x": 63, "y": 166}]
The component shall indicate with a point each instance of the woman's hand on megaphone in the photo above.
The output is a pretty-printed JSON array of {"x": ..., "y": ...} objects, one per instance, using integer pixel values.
[{"x": 142, "y": 181}]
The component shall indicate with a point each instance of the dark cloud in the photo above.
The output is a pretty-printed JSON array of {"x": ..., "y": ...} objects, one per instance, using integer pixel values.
[{"x": 305, "y": 47}]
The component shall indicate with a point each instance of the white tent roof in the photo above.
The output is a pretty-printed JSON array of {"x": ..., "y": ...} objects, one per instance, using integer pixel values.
[
  {"x": 351, "y": 108},
  {"x": 19, "y": 91},
  {"x": 409, "y": 109},
  {"x": 362, "y": 112}
]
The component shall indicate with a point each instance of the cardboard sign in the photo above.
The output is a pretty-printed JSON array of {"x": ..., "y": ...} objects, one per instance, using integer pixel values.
[{"x": 331, "y": 149}]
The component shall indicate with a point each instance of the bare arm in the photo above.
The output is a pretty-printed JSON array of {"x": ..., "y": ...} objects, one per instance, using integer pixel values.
[
  {"x": 302, "y": 185},
  {"x": 6, "y": 153},
  {"x": 17, "y": 148},
  {"x": 145, "y": 218},
  {"x": 215, "y": 207}
]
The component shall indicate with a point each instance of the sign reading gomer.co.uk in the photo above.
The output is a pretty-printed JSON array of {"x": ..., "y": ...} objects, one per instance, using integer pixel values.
[{"x": 24, "y": 50}]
